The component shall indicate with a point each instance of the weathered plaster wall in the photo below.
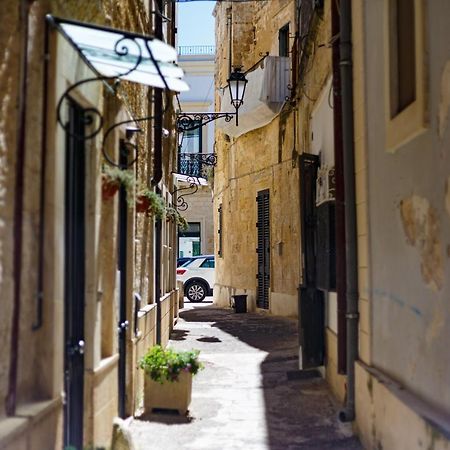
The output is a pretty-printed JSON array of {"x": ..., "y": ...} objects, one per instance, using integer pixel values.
[
  {"x": 409, "y": 224},
  {"x": 40, "y": 367},
  {"x": 9, "y": 76}
]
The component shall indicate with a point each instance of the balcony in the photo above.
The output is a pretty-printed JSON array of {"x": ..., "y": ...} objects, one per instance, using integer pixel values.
[
  {"x": 196, "y": 164},
  {"x": 188, "y": 50}
]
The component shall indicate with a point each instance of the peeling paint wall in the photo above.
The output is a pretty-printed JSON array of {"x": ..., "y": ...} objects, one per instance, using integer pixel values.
[{"x": 408, "y": 197}]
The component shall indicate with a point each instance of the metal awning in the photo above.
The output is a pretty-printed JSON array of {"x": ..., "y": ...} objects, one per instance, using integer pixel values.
[{"x": 124, "y": 55}]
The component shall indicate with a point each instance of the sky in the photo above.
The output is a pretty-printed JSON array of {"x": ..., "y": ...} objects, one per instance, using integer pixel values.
[{"x": 196, "y": 23}]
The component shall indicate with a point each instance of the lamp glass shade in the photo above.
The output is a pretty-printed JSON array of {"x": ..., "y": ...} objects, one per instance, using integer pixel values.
[{"x": 236, "y": 84}]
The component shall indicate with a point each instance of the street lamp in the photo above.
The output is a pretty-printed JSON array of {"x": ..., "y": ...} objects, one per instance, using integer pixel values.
[
  {"x": 187, "y": 121},
  {"x": 236, "y": 84}
]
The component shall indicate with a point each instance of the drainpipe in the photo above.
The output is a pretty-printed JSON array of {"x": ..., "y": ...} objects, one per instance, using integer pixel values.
[
  {"x": 340, "y": 199},
  {"x": 157, "y": 159},
  {"x": 11, "y": 398},
  {"x": 348, "y": 414},
  {"x": 40, "y": 284},
  {"x": 157, "y": 175}
]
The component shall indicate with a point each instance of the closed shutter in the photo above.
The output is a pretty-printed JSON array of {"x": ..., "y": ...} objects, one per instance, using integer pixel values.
[{"x": 263, "y": 250}]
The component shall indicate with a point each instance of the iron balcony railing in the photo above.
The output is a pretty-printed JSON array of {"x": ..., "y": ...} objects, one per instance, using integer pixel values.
[
  {"x": 196, "y": 164},
  {"x": 184, "y": 50}
]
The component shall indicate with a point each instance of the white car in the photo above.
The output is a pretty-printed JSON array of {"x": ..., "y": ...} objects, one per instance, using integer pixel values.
[{"x": 198, "y": 277}]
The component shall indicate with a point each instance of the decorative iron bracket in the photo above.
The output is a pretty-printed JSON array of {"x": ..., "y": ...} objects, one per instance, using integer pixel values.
[
  {"x": 187, "y": 121},
  {"x": 181, "y": 204}
]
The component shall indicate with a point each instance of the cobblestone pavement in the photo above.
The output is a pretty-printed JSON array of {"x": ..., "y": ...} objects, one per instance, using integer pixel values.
[{"x": 250, "y": 395}]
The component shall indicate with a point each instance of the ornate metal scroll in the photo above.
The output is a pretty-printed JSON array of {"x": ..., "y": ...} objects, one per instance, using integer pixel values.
[
  {"x": 187, "y": 121},
  {"x": 194, "y": 183}
]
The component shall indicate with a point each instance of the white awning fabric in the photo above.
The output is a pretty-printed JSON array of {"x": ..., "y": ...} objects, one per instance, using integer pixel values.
[
  {"x": 266, "y": 92},
  {"x": 125, "y": 55}
]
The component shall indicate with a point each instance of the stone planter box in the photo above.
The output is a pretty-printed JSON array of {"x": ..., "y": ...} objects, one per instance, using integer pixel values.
[{"x": 172, "y": 395}]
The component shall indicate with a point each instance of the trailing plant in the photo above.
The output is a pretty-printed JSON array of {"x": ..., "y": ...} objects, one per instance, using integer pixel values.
[
  {"x": 114, "y": 176},
  {"x": 153, "y": 203},
  {"x": 182, "y": 222},
  {"x": 167, "y": 364},
  {"x": 210, "y": 176},
  {"x": 173, "y": 215}
]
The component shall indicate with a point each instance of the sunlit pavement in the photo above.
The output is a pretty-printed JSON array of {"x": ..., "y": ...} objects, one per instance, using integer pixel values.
[{"x": 250, "y": 395}]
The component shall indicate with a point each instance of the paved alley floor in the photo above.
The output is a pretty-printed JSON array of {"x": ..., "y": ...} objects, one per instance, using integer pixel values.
[{"x": 249, "y": 396}]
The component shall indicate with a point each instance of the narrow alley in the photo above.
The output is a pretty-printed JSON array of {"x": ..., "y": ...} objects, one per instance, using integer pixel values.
[{"x": 249, "y": 395}]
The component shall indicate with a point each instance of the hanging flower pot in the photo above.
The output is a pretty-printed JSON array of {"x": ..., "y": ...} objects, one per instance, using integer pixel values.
[
  {"x": 151, "y": 203},
  {"x": 109, "y": 188},
  {"x": 113, "y": 178},
  {"x": 142, "y": 204}
]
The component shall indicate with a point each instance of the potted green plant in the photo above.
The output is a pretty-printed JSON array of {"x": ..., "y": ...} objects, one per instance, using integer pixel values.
[
  {"x": 174, "y": 216},
  {"x": 150, "y": 202},
  {"x": 113, "y": 178},
  {"x": 168, "y": 381}
]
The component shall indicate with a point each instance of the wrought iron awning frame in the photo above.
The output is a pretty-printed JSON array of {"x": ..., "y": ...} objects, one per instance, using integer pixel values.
[
  {"x": 122, "y": 49},
  {"x": 194, "y": 183}
]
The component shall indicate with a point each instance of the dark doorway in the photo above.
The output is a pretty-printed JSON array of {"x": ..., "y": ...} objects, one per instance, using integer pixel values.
[
  {"x": 122, "y": 325},
  {"x": 74, "y": 278},
  {"x": 311, "y": 300},
  {"x": 263, "y": 249}
]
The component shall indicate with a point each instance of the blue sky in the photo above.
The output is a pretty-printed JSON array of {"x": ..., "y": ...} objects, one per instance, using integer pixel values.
[{"x": 196, "y": 23}]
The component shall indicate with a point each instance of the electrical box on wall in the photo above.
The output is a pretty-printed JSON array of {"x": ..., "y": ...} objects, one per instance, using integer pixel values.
[
  {"x": 325, "y": 185},
  {"x": 326, "y": 246}
]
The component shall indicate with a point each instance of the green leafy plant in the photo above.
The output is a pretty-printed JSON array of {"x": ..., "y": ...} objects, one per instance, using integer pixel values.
[
  {"x": 150, "y": 202},
  {"x": 210, "y": 176},
  {"x": 115, "y": 177},
  {"x": 167, "y": 364},
  {"x": 173, "y": 215}
]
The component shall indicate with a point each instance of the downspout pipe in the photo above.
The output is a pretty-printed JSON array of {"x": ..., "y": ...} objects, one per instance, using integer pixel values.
[
  {"x": 11, "y": 398},
  {"x": 157, "y": 176},
  {"x": 157, "y": 159},
  {"x": 345, "y": 63},
  {"x": 340, "y": 199}
]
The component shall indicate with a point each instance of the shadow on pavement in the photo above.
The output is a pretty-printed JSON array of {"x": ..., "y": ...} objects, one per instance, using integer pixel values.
[{"x": 300, "y": 411}]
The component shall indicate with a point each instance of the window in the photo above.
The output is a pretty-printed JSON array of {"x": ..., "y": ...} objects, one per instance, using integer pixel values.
[
  {"x": 192, "y": 141},
  {"x": 405, "y": 73},
  {"x": 402, "y": 55},
  {"x": 208, "y": 263},
  {"x": 283, "y": 41},
  {"x": 189, "y": 242}
]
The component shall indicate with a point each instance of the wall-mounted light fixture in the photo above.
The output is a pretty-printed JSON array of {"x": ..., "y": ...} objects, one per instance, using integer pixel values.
[
  {"x": 187, "y": 121},
  {"x": 236, "y": 84}
]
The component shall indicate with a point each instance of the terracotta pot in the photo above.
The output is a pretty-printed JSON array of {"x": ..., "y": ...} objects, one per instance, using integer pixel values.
[
  {"x": 142, "y": 204},
  {"x": 109, "y": 189}
]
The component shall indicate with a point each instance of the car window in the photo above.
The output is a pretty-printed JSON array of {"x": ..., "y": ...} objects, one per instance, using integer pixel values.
[{"x": 209, "y": 263}]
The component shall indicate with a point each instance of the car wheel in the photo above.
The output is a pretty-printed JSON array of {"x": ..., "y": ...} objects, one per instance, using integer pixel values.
[{"x": 196, "y": 291}]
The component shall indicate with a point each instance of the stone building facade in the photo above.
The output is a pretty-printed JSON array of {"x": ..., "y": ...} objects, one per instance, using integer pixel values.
[
  {"x": 350, "y": 178},
  {"x": 50, "y": 253},
  {"x": 198, "y": 65}
]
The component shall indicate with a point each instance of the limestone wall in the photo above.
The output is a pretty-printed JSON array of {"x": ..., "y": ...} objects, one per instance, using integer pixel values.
[
  {"x": 38, "y": 419},
  {"x": 260, "y": 159}
]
